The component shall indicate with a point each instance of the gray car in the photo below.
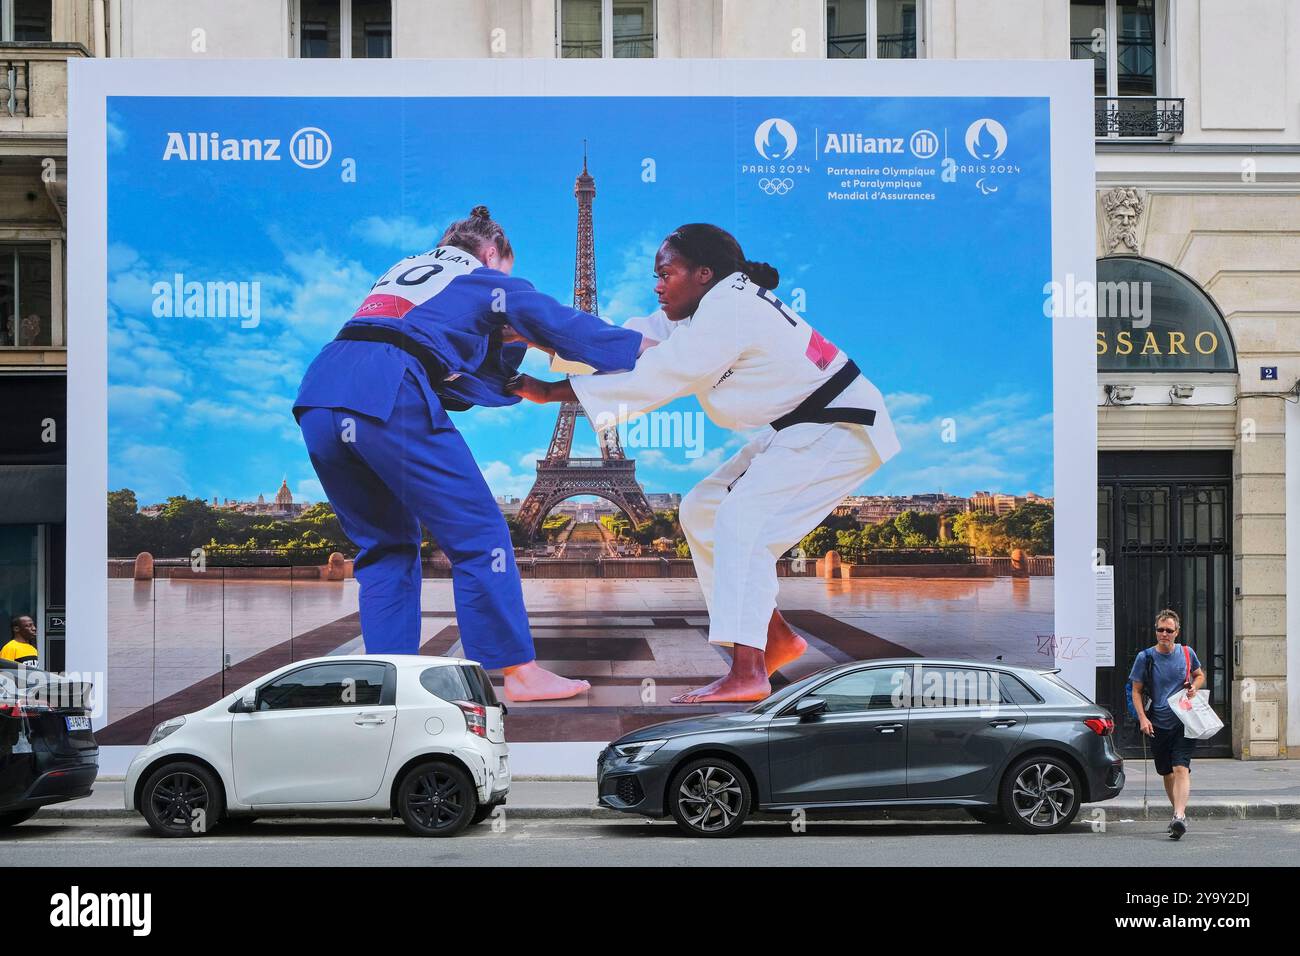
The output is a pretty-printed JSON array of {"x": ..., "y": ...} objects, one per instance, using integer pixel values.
[{"x": 1012, "y": 745}]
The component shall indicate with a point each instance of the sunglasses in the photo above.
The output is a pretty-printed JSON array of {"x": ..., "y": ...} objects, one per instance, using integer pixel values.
[{"x": 1166, "y": 630}]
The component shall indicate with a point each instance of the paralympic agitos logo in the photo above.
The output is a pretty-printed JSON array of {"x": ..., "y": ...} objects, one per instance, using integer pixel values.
[{"x": 309, "y": 147}]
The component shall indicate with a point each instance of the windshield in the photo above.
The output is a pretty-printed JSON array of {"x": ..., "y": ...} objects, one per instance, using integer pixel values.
[{"x": 785, "y": 694}]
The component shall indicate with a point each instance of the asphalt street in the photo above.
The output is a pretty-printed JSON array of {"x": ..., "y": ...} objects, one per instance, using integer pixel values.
[{"x": 633, "y": 842}]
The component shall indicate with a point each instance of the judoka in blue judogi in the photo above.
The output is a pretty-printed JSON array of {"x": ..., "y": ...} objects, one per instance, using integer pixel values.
[{"x": 373, "y": 412}]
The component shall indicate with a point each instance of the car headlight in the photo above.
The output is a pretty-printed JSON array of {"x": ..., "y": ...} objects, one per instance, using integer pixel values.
[
  {"x": 165, "y": 728},
  {"x": 639, "y": 751}
]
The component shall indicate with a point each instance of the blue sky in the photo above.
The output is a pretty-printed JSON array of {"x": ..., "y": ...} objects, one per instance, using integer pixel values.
[{"x": 940, "y": 302}]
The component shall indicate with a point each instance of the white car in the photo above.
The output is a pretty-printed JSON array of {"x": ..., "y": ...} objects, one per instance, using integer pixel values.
[{"x": 381, "y": 734}]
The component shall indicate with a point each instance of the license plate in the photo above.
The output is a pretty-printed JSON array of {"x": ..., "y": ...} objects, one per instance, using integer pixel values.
[{"x": 78, "y": 723}]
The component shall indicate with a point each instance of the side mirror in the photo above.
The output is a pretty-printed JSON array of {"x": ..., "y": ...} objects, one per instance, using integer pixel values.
[
  {"x": 246, "y": 704},
  {"x": 809, "y": 707}
]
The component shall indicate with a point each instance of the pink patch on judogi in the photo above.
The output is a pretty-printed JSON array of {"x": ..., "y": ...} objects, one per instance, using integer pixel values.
[
  {"x": 820, "y": 351},
  {"x": 383, "y": 305}
]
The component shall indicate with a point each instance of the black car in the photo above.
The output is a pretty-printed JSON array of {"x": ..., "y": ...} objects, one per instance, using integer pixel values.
[
  {"x": 1012, "y": 745},
  {"x": 47, "y": 751}
]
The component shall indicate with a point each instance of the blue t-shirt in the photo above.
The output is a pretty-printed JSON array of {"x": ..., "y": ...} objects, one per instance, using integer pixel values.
[{"x": 1168, "y": 674}]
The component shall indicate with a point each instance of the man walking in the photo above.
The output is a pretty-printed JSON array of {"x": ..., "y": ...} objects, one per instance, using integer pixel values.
[{"x": 1159, "y": 672}]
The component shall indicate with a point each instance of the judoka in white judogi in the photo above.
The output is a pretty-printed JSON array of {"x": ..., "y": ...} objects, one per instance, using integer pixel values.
[{"x": 753, "y": 364}]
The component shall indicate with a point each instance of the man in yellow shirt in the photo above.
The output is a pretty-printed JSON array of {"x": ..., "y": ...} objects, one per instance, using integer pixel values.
[{"x": 22, "y": 646}]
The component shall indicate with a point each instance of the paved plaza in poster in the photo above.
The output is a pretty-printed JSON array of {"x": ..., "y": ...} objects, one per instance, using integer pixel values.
[{"x": 178, "y": 644}]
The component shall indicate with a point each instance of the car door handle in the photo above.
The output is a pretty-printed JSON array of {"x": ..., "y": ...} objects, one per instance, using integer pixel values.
[
  {"x": 888, "y": 728},
  {"x": 369, "y": 721},
  {"x": 1003, "y": 722}
]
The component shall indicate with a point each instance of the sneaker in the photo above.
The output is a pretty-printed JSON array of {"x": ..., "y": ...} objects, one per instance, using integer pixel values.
[{"x": 1177, "y": 827}]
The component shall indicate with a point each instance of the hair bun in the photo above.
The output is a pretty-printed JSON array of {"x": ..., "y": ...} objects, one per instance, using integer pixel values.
[
  {"x": 762, "y": 273},
  {"x": 480, "y": 212}
]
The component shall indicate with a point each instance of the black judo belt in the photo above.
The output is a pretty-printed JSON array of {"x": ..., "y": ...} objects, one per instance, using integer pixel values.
[
  {"x": 814, "y": 407},
  {"x": 433, "y": 366}
]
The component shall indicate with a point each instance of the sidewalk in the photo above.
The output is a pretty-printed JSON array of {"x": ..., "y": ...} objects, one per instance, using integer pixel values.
[{"x": 1256, "y": 790}]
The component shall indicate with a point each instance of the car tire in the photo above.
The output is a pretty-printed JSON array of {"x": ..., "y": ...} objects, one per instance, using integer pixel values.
[
  {"x": 182, "y": 800},
  {"x": 437, "y": 799},
  {"x": 482, "y": 813},
  {"x": 15, "y": 817},
  {"x": 709, "y": 797},
  {"x": 993, "y": 816},
  {"x": 1040, "y": 794}
]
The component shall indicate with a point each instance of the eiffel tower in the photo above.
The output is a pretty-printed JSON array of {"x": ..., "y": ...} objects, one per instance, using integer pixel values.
[{"x": 612, "y": 476}]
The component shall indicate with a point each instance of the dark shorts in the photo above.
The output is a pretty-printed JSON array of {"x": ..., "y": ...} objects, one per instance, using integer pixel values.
[{"x": 1171, "y": 748}]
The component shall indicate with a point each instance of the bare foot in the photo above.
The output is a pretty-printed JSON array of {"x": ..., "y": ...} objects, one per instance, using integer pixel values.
[
  {"x": 746, "y": 681},
  {"x": 729, "y": 688},
  {"x": 531, "y": 681},
  {"x": 783, "y": 644}
]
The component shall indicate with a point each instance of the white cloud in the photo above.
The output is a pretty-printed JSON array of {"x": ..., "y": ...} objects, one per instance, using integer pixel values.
[
  {"x": 999, "y": 443},
  {"x": 901, "y": 403},
  {"x": 141, "y": 406},
  {"x": 308, "y": 489},
  {"x": 503, "y": 480},
  {"x": 153, "y": 472},
  {"x": 400, "y": 232},
  {"x": 630, "y": 290},
  {"x": 677, "y": 461}
]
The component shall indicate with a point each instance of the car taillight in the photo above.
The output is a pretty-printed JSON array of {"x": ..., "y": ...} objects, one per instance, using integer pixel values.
[
  {"x": 1101, "y": 726},
  {"x": 475, "y": 717},
  {"x": 23, "y": 710}
]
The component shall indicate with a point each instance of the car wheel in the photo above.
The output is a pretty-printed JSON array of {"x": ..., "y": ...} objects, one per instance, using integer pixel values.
[
  {"x": 437, "y": 799},
  {"x": 482, "y": 813},
  {"x": 181, "y": 800},
  {"x": 990, "y": 815},
  {"x": 710, "y": 797},
  {"x": 15, "y": 817},
  {"x": 1040, "y": 795}
]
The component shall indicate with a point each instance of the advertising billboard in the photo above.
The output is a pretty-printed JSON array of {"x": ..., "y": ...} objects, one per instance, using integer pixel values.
[{"x": 628, "y": 533}]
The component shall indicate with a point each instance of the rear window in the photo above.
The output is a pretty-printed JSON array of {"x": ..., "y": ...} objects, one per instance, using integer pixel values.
[
  {"x": 480, "y": 687},
  {"x": 1060, "y": 682},
  {"x": 460, "y": 682},
  {"x": 445, "y": 682}
]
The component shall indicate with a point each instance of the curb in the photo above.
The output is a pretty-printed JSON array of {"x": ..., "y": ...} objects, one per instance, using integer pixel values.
[{"x": 1229, "y": 810}]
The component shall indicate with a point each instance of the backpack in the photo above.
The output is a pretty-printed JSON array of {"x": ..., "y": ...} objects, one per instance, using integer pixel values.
[{"x": 1146, "y": 688}]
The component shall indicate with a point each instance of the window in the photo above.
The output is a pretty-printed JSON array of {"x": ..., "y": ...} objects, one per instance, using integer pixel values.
[
  {"x": 26, "y": 21},
  {"x": 25, "y": 296},
  {"x": 1128, "y": 72},
  {"x": 355, "y": 29},
  {"x": 883, "y": 29},
  {"x": 602, "y": 28},
  {"x": 879, "y": 688},
  {"x": 349, "y": 684},
  {"x": 460, "y": 682},
  {"x": 964, "y": 687},
  {"x": 1126, "y": 67}
]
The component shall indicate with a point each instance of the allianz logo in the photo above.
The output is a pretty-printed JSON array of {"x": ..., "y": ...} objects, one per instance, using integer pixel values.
[
  {"x": 857, "y": 143},
  {"x": 309, "y": 147}
]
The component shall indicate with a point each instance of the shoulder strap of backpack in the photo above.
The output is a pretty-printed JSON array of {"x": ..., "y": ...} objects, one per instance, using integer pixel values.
[{"x": 1187, "y": 653}]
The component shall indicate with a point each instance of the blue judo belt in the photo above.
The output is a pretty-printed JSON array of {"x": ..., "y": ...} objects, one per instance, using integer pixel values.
[{"x": 814, "y": 407}]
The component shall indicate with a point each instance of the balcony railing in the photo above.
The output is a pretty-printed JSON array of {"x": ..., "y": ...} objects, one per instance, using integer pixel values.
[
  {"x": 15, "y": 88},
  {"x": 892, "y": 46},
  {"x": 1137, "y": 117},
  {"x": 630, "y": 45}
]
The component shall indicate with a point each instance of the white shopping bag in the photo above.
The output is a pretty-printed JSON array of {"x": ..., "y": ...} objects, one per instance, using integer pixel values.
[{"x": 1200, "y": 722}]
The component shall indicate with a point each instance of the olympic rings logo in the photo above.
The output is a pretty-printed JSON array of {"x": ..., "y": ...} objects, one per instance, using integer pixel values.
[{"x": 776, "y": 187}]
